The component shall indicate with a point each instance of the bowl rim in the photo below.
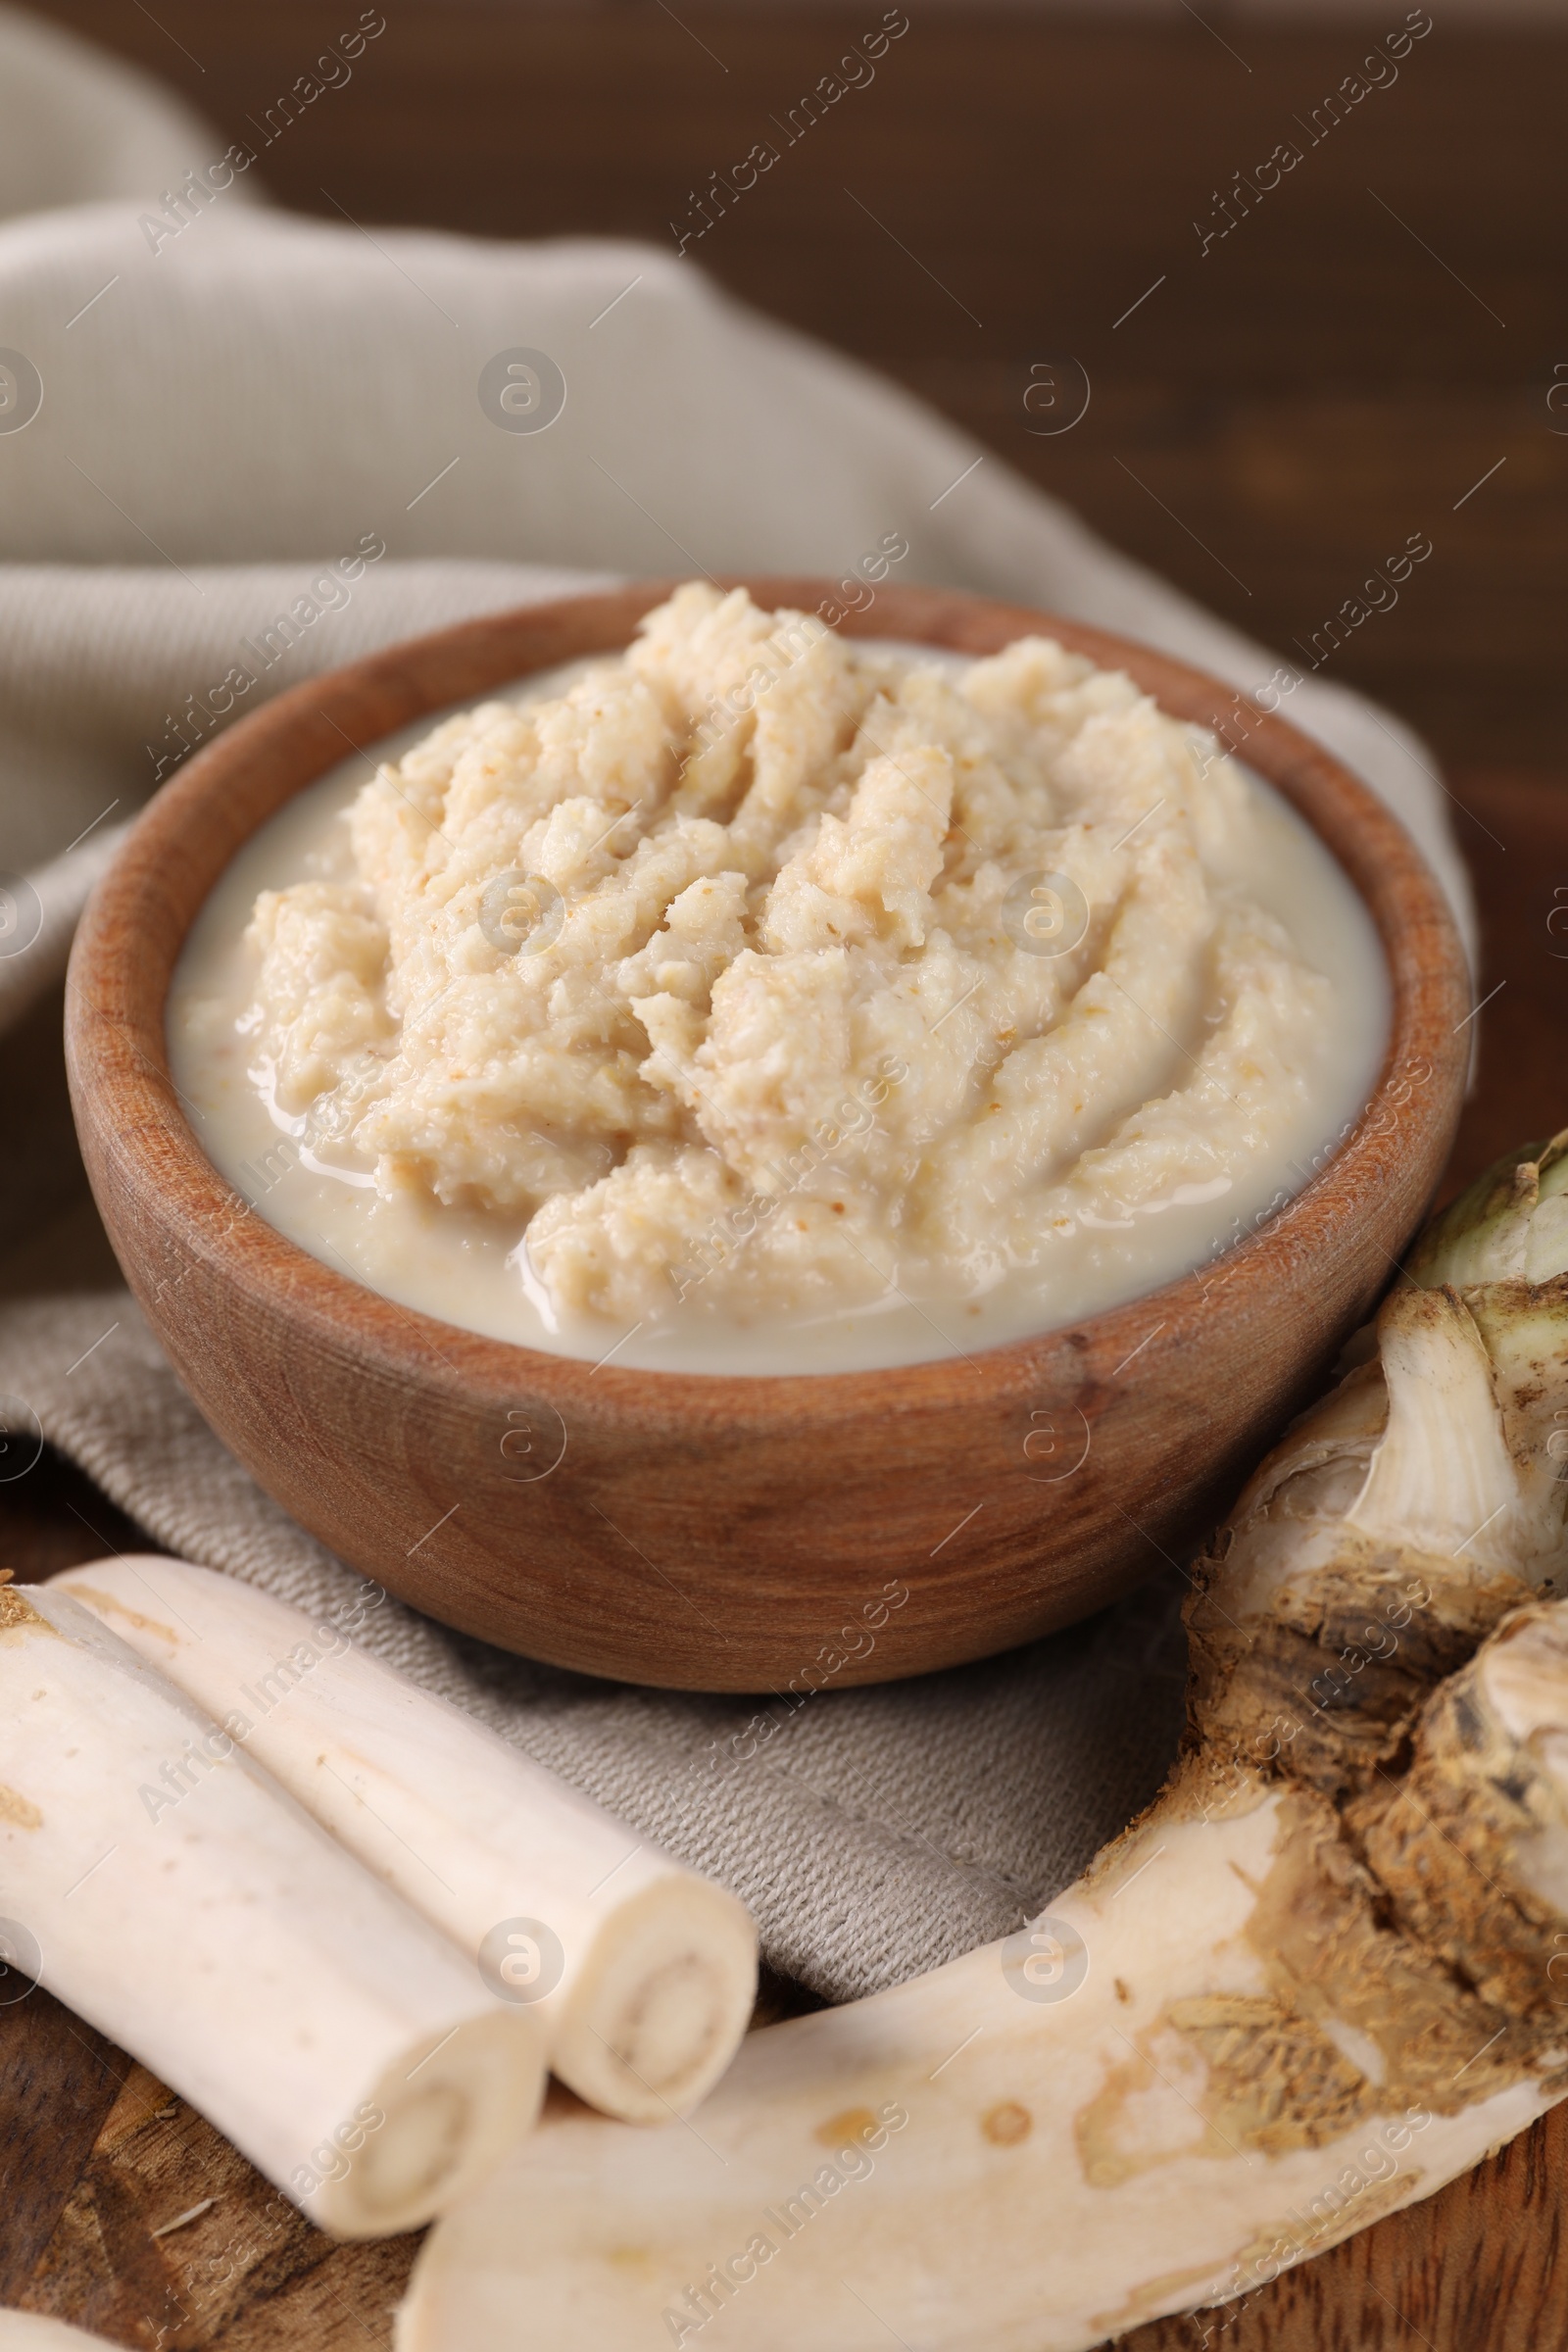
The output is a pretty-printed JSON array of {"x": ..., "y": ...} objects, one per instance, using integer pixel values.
[{"x": 117, "y": 994}]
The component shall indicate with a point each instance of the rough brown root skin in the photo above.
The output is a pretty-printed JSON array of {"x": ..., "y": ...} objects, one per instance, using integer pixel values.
[
  {"x": 1409, "y": 1925},
  {"x": 1364, "y": 2013},
  {"x": 1339, "y": 1670},
  {"x": 1416, "y": 2025},
  {"x": 14, "y": 1606},
  {"x": 1453, "y": 1844},
  {"x": 1317, "y": 1630}
]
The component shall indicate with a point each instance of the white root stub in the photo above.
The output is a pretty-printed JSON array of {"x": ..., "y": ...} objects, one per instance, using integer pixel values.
[
  {"x": 643, "y": 1972},
  {"x": 231, "y": 1946}
]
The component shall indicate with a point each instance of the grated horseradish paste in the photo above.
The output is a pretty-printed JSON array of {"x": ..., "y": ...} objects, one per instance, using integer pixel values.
[{"x": 763, "y": 999}]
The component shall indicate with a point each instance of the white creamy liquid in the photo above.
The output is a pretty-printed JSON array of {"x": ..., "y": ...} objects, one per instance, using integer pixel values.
[{"x": 458, "y": 1265}]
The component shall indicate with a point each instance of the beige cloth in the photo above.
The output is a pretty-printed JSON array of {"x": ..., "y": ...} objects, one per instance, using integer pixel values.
[
  {"x": 874, "y": 1833},
  {"x": 232, "y": 399}
]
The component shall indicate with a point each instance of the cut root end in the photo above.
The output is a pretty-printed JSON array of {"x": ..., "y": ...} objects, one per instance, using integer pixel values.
[
  {"x": 437, "y": 2123},
  {"x": 655, "y": 2018}
]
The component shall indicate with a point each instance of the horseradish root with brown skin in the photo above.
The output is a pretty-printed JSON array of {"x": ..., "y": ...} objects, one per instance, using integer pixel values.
[
  {"x": 1320, "y": 1976},
  {"x": 642, "y": 1972},
  {"x": 225, "y": 1940}
]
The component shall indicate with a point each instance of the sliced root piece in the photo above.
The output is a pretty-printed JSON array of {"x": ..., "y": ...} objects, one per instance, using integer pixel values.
[
  {"x": 660, "y": 2001},
  {"x": 225, "y": 1940},
  {"x": 643, "y": 1972}
]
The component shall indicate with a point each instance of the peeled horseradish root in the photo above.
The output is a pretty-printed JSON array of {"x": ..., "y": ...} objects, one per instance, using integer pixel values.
[
  {"x": 642, "y": 1972},
  {"x": 231, "y": 1946},
  {"x": 1326, "y": 1972}
]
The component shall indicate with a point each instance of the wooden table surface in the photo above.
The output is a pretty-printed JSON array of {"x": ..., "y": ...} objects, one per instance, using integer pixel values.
[
  {"x": 1372, "y": 352},
  {"x": 96, "y": 2159}
]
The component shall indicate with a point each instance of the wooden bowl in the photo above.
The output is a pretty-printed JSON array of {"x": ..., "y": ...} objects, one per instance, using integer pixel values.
[{"x": 788, "y": 1532}]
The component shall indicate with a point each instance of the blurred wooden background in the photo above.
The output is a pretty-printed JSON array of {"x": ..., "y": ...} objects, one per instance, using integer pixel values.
[{"x": 1269, "y": 425}]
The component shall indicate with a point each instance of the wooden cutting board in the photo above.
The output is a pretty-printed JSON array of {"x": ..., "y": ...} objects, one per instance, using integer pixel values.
[{"x": 127, "y": 2214}]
